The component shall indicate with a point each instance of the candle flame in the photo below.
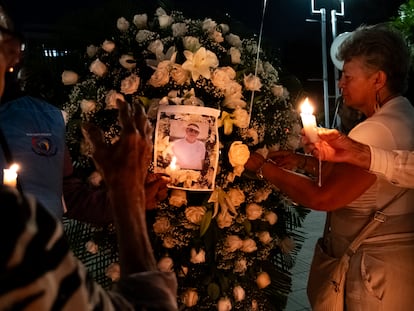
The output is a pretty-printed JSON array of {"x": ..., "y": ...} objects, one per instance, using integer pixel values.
[
  {"x": 14, "y": 167},
  {"x": 306, "y": 107},
  {"x": 173, "y": 163}
]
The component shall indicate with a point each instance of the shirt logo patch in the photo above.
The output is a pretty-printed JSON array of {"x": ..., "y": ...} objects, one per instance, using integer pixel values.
[{"x": 43, "y": 146}]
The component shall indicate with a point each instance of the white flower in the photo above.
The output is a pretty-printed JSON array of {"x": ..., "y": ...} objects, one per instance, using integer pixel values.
[
  {"x": 224, "y": 28},
  {"x": 236, "y": 196},
  {"x": 216, "y": 36},
  {"x": 235, "y": 55},
  {"x": 130, "y": 84},
  {"x": 143, "y": 35},
  {"x": 224, "y": 220},
  {"x": 140, "y": 20},
  {"x": 249, "y": 246},
  {"x": 169, "y": 242},
  {"x": 179, "y": 29},
  {"x": 224, "y": 304},
  {"x": 69, "y": 77},
  {"x": 262, "y": 194},
  {"x": 113, "y": 271},
  {"x": 263, "y": 280},
  {"x": 179, "y": 75},
  {"x": 239, "y": 293},
  {"x": 233, "y": 243},
  {"x": 111, "y": 98},
  {"x": 234, "y": 40},
  {"x": 190, "y": 297},
  {"x": 195, "y": 214},
  {"x": 222, "y": 76},
  {"x": 241, "y": 117},
  {"x": 127, "y": 61},
  {"x": 178, "y": 197},
  {"x": 87, "y": 105},
  {"x": 191, "y": 43},
  {"x": 264, "y": 237},
  {"x": 197, "y": 257},
  {"x": 200, "y": 63},
  {"x": 166, "y": 264},
  {"x": 271, "y": 218},
  {"x": 156, "y": 47},
  {"x": 254, "y": 211},
  {"x": 92, "y": 247},
  {"x": 98, "y": 68},
  {"x": 252, "y": 82},
  {"x": 240, "y": 266},
  {"x": 209, "y": 25},
  {"x": 160, "y": 77},
  {"x": 122, "y": 24},
  {"x": 165, "y": 21},
  {"x": 108, "y": 46},
  {"x": 238, "y": 154},
  {"x": 161, "y": 225}
]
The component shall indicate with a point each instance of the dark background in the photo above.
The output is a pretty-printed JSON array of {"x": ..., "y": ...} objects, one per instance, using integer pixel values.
[{"x": 293, "y": 41}]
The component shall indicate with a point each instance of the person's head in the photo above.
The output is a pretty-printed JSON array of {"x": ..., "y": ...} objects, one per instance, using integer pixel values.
[
  {"x": 10, "y": 46},
  {"x": 376, "y": 66},
  {"x": 192, "y": 130}
]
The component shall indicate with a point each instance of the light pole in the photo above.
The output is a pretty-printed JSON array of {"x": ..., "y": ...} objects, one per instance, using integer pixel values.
[{"x": 334, "y": 14}]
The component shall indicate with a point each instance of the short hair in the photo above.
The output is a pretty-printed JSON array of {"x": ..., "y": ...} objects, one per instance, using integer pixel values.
[
  {"x": 382, "y": 47},
  {"x": 193, "y": 126}
]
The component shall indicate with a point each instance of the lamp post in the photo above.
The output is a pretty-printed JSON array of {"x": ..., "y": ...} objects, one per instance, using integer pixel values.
[{"x": 334, "y": 14}]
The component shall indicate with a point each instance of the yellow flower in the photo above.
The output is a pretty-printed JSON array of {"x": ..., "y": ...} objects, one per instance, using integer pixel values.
[{"x": 200, "y": 62}]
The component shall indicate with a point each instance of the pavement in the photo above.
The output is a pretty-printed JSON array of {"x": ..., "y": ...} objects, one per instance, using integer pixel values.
[{"x": 312, "y": 228}]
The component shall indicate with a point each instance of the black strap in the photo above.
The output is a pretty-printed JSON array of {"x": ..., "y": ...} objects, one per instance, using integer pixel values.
[{"x": 8, "y": 156}]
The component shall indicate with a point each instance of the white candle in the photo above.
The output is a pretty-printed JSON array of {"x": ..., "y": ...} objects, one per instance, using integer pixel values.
[
  {"x": 10, "y": 175},
  {"x": 308, "y": 121}
]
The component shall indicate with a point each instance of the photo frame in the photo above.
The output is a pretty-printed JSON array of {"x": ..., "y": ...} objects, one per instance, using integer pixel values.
[{"x": 186, "y": 146}]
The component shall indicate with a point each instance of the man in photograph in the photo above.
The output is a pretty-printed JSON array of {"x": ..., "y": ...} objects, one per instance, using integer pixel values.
[{"x": 190, "y": 151}]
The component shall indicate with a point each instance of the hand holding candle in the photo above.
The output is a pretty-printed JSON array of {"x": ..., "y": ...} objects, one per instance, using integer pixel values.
[
  {"x": 10, "y": 175},
  {"x": 308, "y": 121}
]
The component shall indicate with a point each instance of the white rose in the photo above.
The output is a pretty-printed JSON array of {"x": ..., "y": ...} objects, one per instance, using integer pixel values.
[
  {"x": 165, "y": 21},
  {"x": 238, "y": 154},
  {"x": 190, "y": 297},
  {"x": 160, "y": 77},
  {"x": 233, "y": 89},
  {"x": 252, "y": 82},
  {"x": 195, "y": 214},
  {"x": 209, "y": 25},
  {"x": 166, "y": 264},
  {"x": 178, "y": 197},
  {"x": 168, "y": 242},
  {"x": 69, "y": 77},
  {"x": 113, "y": 271},
  {"x": 222, "y": 76},
  {"x": 179, "y": 29},
  {"x": 91, "y": 50},
  {"x": 240, "y": 266},
  {"x": 240, "y": 117},
  {"x": 264, "y": 237},
  {"x": 234, "y": 40},
  {"x": 130, "y": 84},
  {"x": 198, "y": 257},
  {"x": 122, "y": 24},
  {"x": 235, "y": 55},
  {"x": 143, "y": 35},
  {"x": 249, "y": 246},
  {"x": 91, "y": 247},
  {"x": 95, "y": 179},
  {"x": 110, "y": 99},
  {"x": 224, "y": 28},
  {"x": 263, "y": 280},
  {"x": 271, "y": 218},
  {"x": 108, "y": 46},
  {"x": 127, "y": 61},
  {"x": 161, "y": 225},
  {"x": 233, "y": 243},
  {"x": 191, "y": 43},
  {"x": 236, "y": 196},
  {"x": 253, "y": 211},
  {"x": 140, "y": 20},
  {"x": 179, "y": 74},
  {"x": 156, "y": 47},
  {"x": 87, "y": 105},
  {"x": 224, "y": 220},
  {"x": 262, "y": 194},
  {"x": 224, "y": 304},
  {"x": 216, "y": 36},
  {"x": 238, "y": 293},
  {"x": 98, "y": 68}
]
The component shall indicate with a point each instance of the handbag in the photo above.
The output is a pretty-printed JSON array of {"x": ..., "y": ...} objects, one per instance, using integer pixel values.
[{"x": 326, "y": 282}]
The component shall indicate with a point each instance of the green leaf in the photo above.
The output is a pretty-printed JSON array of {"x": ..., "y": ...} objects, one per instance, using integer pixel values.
[{"x": 205, "y": 223}]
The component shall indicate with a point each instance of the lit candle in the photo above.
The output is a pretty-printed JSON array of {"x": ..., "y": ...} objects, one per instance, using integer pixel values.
[
  {"x": 10, "y": 175},
  {"x": 308, "y": 121}
]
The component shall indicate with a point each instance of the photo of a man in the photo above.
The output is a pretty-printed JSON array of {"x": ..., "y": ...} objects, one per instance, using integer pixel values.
[{"x": 189, "y": 151}]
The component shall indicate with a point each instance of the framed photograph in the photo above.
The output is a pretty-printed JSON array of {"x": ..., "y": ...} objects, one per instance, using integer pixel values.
[{"x": 187, "y": 146}]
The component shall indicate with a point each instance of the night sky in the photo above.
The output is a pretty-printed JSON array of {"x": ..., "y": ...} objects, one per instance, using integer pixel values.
[{"x": 295, "y": 41}]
